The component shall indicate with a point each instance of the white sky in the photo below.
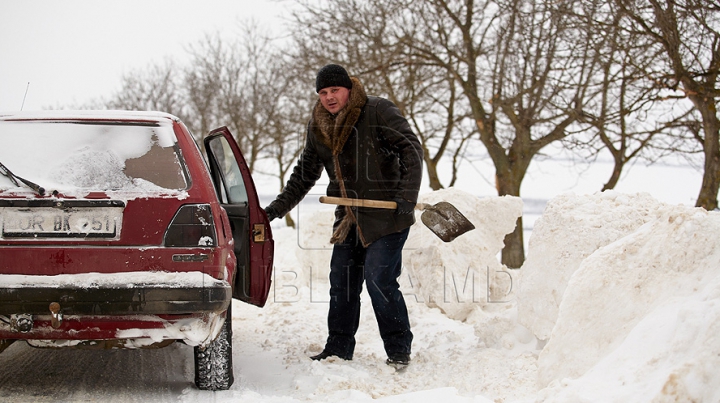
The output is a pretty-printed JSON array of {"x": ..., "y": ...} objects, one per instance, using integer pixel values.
[{"x": 72, "y": 51}]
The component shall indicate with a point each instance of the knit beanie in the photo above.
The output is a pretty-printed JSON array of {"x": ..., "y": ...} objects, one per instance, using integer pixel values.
[{"x": 332, "y": 75}]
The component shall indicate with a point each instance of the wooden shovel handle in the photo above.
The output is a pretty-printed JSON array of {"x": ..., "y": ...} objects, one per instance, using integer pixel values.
[{"x": 343, "y": 201}]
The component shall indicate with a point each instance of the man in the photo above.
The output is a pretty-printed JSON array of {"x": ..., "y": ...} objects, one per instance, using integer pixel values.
[{"x": 369, "y": 152}]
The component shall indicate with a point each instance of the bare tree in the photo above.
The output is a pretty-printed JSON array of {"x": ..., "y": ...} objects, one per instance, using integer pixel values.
[
  {"x": 512, "y": 61},
  {"x": 155, "y": 88},
  {"x": 688, "y": 33},
  {"x": 203, "y": 81},
  {"x": 230, "y": 83},
  {"x": 627, "y": 114},
  {"x": 287, "y": 130},
  {"x": 250, "y": 86}
]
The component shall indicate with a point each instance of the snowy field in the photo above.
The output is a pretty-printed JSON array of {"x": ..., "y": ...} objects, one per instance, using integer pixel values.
[{"x": 618, "y": 301}]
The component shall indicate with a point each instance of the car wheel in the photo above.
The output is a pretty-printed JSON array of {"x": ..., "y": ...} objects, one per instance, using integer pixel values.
[{"x": 213, "y": 364}]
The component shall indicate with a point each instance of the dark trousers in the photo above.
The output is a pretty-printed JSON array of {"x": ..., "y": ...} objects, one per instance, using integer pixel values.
[{"x": 379, "y": 265}]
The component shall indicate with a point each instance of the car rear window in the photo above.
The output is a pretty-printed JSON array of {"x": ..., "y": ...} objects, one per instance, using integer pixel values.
[{"x": 65, "y": 156}]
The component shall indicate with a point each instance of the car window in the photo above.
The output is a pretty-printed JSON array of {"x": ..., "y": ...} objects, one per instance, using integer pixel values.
[
  {"x": 96, "y": 156},
  {"x": 233, "y": 189}
]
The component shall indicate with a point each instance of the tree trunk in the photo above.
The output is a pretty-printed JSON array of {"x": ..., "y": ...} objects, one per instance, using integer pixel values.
[
  {"x": 699, "y": 88},
  {"x": 432, "y": 174},
  {"x": 513, "y": 254},
  {"x": 288, "y": 217},
  {"x": 615, "y": 177},
  {"x": 711, "y": 147}
]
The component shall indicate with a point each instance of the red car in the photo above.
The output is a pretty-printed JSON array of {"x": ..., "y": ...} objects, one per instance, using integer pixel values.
[{"x": 117, "y": 233}]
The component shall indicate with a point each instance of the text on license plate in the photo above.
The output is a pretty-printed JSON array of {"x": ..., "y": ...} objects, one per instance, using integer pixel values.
[{"x": 52, "y": 222}]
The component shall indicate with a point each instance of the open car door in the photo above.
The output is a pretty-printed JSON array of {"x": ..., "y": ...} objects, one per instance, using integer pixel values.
[{"x": 254, "y": 246}]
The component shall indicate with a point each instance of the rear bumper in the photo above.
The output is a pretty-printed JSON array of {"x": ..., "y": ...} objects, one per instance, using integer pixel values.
[
  {"x": 115, "y": 294},
  {"x": 136, "y": 300},
  {"x": 128, "y": 331},
  {"x": 142, "y": 306}
]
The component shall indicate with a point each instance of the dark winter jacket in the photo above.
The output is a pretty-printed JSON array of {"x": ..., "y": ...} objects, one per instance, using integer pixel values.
[{"x": 370, "y": 145}]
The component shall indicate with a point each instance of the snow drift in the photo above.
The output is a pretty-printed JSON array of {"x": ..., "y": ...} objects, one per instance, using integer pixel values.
[
  {"x": 464, "y": 278},
  {"x": 639, "y": 297},
  {"x": 619, "y": 300}
]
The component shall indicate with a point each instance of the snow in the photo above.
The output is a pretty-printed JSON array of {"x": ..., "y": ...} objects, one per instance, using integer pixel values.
[
  {"x": 618, "y": 301},
  {"x": 113, "y": 280},
  {"x": 192, "y": 331}
]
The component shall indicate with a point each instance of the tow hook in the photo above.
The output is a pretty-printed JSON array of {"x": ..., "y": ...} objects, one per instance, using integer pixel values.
[
  {"x": 22, "y": 322},
  {"x": 57, "y": 318}
]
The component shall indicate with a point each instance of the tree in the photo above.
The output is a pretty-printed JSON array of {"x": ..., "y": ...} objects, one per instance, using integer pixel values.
[
  {"x": 203, "y": 81},
  {"x": 250, "y": 86},
  {"x": 237, "y": 83},
  {"x": 687, "y": 32},
  {"x": 287, "y": 129},
  {"x": 626, "y": 113},
  {"x": 155, "y": 89},
  {"x": 509, "y": 67},
  {"x": 513, "y": 62}
]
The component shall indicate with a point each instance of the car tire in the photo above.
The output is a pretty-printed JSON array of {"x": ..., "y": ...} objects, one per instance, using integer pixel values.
[{"x": 213, "y": 364}]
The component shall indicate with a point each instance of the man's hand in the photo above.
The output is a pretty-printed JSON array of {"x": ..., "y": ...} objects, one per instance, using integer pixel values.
[
  {"x": 271, "y": 213},
  {"x": 404, "y": 207}
]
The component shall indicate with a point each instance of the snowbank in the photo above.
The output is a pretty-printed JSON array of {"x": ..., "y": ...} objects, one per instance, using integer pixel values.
[
  {"x": 635, "y": 291},
  {"x": 464, "y": 278},
  {"x": 623, "y": 290},
  {"x": 570, "y": 229},
  {"x": 454, "y": 276}
]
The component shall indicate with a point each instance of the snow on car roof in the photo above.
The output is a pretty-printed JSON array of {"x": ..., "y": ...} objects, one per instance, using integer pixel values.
[{"x": 112, "y": 115}]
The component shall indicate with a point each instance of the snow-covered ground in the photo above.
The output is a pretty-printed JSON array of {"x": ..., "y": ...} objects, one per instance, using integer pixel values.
[
  {"x": 618, "y": 301},
  {"x": 622, "y": 291}
]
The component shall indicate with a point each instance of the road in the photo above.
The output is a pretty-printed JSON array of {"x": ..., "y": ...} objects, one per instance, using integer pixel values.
[{"x": 31, "y": 375}]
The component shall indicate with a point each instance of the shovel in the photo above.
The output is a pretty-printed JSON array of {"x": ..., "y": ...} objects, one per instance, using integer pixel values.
[{"x": 442, "y": 218}]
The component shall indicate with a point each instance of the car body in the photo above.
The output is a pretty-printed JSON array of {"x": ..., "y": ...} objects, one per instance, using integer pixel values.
[{"x": 115, "y": 231}]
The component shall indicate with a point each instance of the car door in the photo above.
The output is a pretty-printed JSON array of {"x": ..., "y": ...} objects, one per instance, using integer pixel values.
[{"x": 254, "y": 246}]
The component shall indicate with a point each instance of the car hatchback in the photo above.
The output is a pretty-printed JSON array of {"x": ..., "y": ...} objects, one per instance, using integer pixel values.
[{"x": 117, "y": 233}]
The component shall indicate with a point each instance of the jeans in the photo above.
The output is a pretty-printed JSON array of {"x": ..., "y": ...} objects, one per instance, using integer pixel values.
[{"x": 379, "y": 265}]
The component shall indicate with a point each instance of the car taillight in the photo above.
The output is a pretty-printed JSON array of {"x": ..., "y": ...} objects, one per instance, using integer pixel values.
[{"x": 192, "y": 226}]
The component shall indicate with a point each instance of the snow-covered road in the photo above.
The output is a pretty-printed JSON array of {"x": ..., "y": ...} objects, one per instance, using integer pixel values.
[{"x": 66, "y": 375}]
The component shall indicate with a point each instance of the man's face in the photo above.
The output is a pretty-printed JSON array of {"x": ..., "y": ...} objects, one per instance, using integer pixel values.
[{"x": 334, "y": 98}]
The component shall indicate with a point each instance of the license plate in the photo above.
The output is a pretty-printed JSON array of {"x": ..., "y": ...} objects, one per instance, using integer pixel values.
[{"x": 33, "y": 222}]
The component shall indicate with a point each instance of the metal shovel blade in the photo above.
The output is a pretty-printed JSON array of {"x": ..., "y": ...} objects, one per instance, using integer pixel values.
[{"x": 445, "y": 221}]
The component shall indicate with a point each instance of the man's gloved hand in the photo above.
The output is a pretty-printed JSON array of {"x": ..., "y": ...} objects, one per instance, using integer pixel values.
[
  {"x": 271, "y": 213},
  {"x": 404, "y": 206}
]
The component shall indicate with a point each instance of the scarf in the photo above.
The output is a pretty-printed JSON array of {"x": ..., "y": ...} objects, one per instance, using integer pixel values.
[{"x": 333, "y": 131}]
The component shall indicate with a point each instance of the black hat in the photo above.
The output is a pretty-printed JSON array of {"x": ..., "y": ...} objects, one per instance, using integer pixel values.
[{"x": 332, "y": 75}]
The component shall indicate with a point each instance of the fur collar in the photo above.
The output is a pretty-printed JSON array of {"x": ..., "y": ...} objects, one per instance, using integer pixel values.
[{"x": 334, "y": 130}]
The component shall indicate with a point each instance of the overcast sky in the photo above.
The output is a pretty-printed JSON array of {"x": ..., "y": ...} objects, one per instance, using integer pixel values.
[{"x": 73, "y": 51}]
